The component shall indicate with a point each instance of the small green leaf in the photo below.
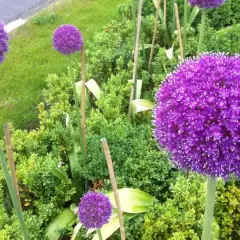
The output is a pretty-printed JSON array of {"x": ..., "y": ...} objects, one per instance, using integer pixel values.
[
  {"x": 132, "y": 200},
  {"x": 65, "y": 219},
  {"x": 141, "y": 105}
]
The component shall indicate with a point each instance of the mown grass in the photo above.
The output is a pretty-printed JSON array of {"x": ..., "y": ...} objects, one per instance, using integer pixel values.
[{"x": 32, "y": 57}]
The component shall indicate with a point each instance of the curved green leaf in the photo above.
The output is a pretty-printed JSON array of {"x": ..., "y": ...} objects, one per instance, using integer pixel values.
[
  {"x": 108, "y": 229},
  {"x": 160, "y": 11},
  {"x": 76, "y": 230},
  {"x": 169, "y": 52},
  {"x": 94, "y": 88},
  {"x": 132, "y": 200},
  {"x": 65, "y": 219},
  {"x": 141, "y": 105},
  {"x": 193, "y": 15},
  {"x": 139, "y": 88}
]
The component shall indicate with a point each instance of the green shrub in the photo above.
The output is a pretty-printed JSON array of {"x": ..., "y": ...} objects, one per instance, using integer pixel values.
[
  {"x": 182, "y": 216},
  {"x": 226, "y": 40},
  {"x": 227, "y": 210},
  {"x": 226, "y": 15},
  {"x": 45, "y": 19}
]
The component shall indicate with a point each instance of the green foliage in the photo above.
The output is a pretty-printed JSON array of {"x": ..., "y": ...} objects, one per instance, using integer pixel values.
[
  {"x": 226, "y": 40},
  {"x": 227, "y": 211},
  {"x": 162, "y": 66},
  {"x": 32, "y": 57},
  {"x": 182, "y": 216},
  {"x": 226, "y": 15},
  {"x": 45, "y": 19}
]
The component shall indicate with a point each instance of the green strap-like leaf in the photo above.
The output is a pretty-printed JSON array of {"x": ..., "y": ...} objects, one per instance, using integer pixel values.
[
  {"x": 65, "y": 219},
  {"x": 160, "y": 11},
  {"x": 139, "y": 88},
  {"x": 58, "y": 173},
  {"x": 169, "y": 52},
  {"x": 13, "y": 195},
  {"x": 141, "y": 105},
  {"x": 132, "y": 200},
  {"x": 193, "y": 15},
  {"x": 76, "y": 230},
  {"x": 92, "y": 86},
  {"x": 108, "y": 229}
]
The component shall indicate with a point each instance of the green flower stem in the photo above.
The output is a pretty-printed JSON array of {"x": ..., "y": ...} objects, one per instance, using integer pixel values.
[
  {"x": 185, "y": 26},
  {"x": 13, "y": 196},
  {"x": 134, "y": 19},
  {"x": 204, "y": 13},
  {"x": 76, "y": 105},
  {"x": 209, "y": 209},
  {"x": 99, "y": 234}
]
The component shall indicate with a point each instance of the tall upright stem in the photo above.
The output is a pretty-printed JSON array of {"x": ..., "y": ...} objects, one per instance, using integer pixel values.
[
  {"x": 13, "y": 196},
  {"x": 185, "y": 26},
  {"x": 11, "y": 161},
  {"x": 154, "y": 35},
  {"x": 114, "y": 186},
  {"x": 209, "y": 209},
  {"x": 165, "y": 14},
  {"x": 136, "y": 52},
  {"x": 179, "y": 31},
  {"x": 83, "y": 103},
  {"x": 134, "y": 19},
  {"x": 201, "y": 35},
  {"x": 76, "y": 105}
]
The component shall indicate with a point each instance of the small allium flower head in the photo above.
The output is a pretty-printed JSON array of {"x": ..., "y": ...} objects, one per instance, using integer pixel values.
[
  {"x": 206, "y": 3},
  {"x": 197, "y": 115},
  {"x": 94, "y": 210},
  {"x": 67, "y": 39},
  {"x": 3, "y": 42}
]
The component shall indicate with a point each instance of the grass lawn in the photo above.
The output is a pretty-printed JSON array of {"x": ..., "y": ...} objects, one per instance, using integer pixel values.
[{"x": 32, "y": 57}]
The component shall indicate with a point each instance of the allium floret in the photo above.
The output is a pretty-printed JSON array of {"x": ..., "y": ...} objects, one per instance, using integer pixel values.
[
  {"x": 197, "y": 115},
  {"x": 67, "y": 39},
  {"x": 94, "y": 210},
  {"x": 207, "y": 3},
  {"x": 3, "y": 42}
]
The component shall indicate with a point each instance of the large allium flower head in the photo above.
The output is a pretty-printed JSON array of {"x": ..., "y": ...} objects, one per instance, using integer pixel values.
[
  {"x": 3, "y": 42},
  {"x": 197, "y": 115},
  {"x": 94, "y": 210},
  {"x": 67, "y": 39},
  {"x": 206, "y": 3}
]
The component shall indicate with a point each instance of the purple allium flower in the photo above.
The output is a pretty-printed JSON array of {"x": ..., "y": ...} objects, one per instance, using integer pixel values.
[
  {"x": 206, "y": 3},
  {"x": 197, "y": 115},
  {"x": 94, "y": 210},
  {"x": 67, "y": 39},
  {"x": 1, "y": 58},
  {"x": 3, "y": 42}
]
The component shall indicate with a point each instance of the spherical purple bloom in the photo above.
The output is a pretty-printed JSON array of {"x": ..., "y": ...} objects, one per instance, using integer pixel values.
[
  {"x": 67, "y": 39},
  {"x": 197, "y": 115},
  {"x": 3, "y": 42},
  {"x": 206, "y": 3},
  {"x": 94, "y": 210}
]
